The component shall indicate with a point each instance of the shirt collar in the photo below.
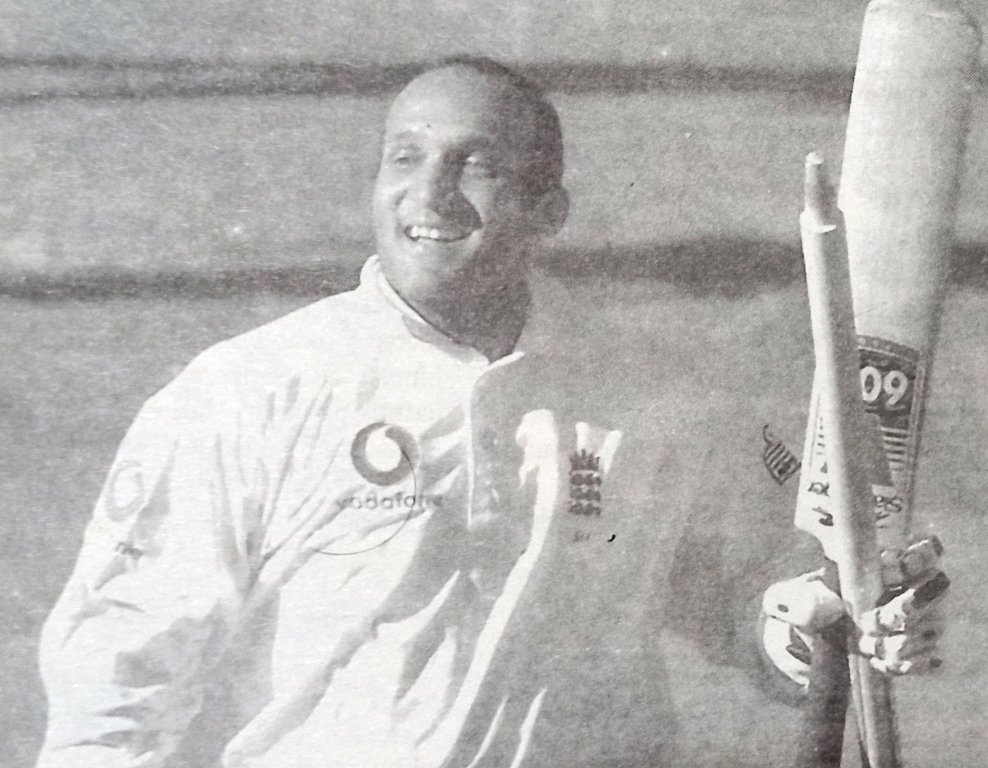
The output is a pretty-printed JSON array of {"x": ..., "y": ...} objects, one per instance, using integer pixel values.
[{"x": 372, "y": 280}]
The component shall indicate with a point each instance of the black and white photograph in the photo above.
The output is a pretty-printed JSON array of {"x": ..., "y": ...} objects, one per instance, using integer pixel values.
[{"x": 493, "y": 385}]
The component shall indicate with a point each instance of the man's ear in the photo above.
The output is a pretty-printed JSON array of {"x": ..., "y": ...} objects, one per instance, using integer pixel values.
[{"x": 550, "y": 211}]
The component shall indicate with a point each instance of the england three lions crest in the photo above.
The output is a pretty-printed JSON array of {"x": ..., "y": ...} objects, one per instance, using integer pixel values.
[
  {"x": 589, "y": 465},
  {"x": 584, "y": 483}
]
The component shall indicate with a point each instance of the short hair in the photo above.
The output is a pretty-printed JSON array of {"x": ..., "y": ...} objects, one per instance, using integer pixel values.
[{"x": 544, "y": 170}]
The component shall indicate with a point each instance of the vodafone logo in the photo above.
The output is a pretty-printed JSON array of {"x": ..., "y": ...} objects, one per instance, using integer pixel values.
[{"x": 384, "y": 454}]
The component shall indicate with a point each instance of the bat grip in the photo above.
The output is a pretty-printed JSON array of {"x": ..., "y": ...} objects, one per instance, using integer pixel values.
[{"x": 821, "y": 739}]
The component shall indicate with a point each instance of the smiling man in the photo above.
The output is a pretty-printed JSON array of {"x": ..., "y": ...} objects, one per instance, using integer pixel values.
[
  {"x": 388, "y": 529},
  {"x": 470, "y": 180},
  {"x": 343, "y": 539}
]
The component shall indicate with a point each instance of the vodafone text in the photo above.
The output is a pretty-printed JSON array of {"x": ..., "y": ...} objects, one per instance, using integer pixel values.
[{"x": 398, "y": 500}]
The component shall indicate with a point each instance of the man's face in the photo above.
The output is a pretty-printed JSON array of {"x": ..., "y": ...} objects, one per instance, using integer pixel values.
[{"x": 452, "y": 218}]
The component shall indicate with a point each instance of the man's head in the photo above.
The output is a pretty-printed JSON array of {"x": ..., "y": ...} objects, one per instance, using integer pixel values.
[{"x": 470, "y": 178}]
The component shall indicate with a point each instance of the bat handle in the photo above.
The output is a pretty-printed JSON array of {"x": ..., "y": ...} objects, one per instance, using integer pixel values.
[{"x": 821, "y": 739}]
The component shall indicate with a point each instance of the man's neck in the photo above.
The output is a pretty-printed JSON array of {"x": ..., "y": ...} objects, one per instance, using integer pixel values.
[
  {"x": 491, "y": 324},
  {"x": 494, "y": 329}
]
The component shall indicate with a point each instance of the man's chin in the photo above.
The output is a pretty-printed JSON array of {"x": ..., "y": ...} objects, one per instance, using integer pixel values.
[
  {"x": 419, "y": 285},
  {"x": 441, "y": 279}
]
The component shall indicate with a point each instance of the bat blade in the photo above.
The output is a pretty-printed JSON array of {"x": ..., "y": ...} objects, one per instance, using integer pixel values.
[
  {"x": 849, "y": 448},
  {"x": 910, "y": 109}
]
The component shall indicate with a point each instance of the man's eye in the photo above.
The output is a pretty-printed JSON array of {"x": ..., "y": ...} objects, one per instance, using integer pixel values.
[{"x": 401, "y": 157}]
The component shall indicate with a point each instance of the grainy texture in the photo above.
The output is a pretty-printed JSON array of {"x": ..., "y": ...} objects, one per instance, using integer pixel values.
[{"x": 139, "y": 225}]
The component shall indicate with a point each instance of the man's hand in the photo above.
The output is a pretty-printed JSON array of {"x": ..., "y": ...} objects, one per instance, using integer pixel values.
[{"x": 899, "y": 637}]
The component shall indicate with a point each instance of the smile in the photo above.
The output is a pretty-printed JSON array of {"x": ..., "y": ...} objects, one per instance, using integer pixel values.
[{"x": 437, "y": 234}]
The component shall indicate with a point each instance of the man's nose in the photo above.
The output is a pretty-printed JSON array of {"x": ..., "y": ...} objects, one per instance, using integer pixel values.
[{"x": 436, "y": 186}]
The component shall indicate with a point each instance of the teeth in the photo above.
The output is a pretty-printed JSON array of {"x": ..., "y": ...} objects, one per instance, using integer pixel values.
[{"x": 431, "y": 233}]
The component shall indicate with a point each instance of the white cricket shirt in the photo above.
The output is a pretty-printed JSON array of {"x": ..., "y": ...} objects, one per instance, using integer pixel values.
[{"x": 342, "y": 540}]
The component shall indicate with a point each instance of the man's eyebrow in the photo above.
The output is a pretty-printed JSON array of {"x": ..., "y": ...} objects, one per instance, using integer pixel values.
[{"x": 405, "y": 135}]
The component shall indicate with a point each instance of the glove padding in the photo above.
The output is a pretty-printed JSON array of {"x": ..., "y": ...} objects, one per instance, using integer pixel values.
[{"x": 899, "y": 637}]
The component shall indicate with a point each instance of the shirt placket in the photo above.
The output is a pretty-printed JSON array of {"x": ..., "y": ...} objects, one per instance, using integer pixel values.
[{"x": 493, "y": 525}]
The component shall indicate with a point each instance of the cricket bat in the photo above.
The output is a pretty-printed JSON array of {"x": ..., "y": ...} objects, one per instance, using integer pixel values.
[{"x": 910, "y": 106}]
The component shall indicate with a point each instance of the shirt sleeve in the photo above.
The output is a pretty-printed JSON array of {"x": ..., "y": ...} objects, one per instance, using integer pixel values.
[{"x": 156, "y": 589}]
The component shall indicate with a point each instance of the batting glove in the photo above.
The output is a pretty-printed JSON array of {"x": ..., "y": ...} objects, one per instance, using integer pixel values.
[{"x": 899, "y": 637}]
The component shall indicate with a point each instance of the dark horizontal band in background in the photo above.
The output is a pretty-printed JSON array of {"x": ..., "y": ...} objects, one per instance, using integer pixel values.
[
  {"x": 730, "y": 268},
  {"x": 27, "y": 80}
]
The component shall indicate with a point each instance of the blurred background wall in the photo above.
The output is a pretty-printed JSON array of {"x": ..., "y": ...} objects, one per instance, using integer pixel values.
[{"x": 178, "y": 136}]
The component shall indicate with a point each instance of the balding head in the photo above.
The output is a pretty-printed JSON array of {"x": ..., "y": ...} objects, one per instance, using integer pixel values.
[
  {"x": 469, "y": 181},
  {"x": 535, "y": 120}
]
